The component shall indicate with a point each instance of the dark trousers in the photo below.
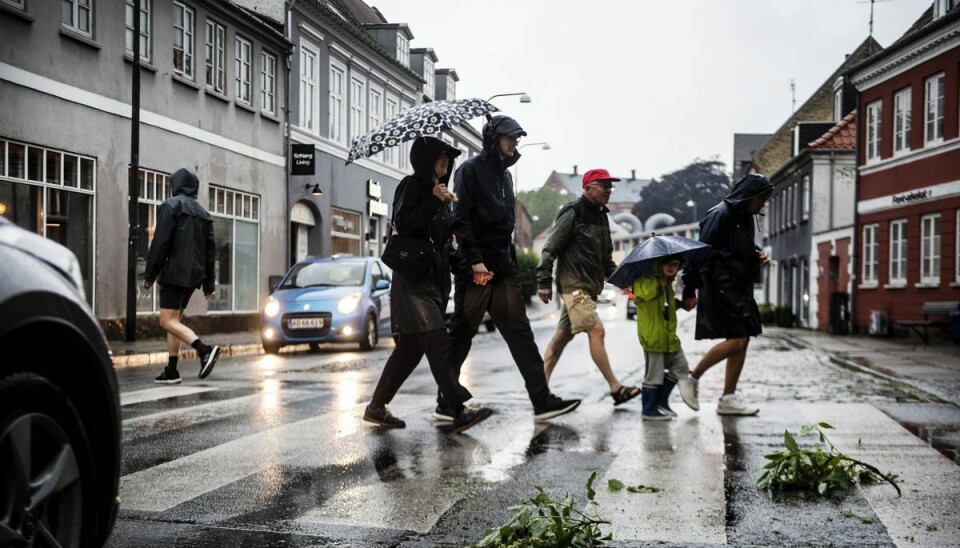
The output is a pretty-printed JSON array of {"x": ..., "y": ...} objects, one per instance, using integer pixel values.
[
  {"x": 502, "y": 298},
  {"x": 406, "y": 356}
]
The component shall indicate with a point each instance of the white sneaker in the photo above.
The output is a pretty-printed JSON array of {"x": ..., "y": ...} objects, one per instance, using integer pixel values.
[
  {"x": 689, "y": 391},
  {"x": 733, "y": 405}
]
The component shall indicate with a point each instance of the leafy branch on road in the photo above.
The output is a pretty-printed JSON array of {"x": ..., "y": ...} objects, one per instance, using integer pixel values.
[
  {"x": 545, "y": 523},
  {"x": 617, "y": 485},
  {"x": 817, "y": 469}
]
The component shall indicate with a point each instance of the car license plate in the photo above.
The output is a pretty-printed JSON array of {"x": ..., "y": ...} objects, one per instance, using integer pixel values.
[{"x": 306, "y": 323}]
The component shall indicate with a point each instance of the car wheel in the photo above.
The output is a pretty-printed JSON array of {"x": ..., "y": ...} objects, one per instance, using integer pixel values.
[
  {"x": 370, "y": 335},
  {"x": 46, "y": 464},
  {"x": 271, "y": 348}
]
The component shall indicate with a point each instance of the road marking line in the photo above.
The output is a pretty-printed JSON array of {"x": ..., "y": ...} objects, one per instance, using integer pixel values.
[{"x": 160, "y": 393}]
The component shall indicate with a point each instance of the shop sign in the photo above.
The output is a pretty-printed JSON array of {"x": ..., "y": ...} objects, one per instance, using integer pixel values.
[
  {"x": 373, "y": 189},
  {"x": 377, "y": 208},
  {"x": 304, "y": 158}
]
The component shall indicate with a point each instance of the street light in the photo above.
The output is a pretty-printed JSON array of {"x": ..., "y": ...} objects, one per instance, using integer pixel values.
[
  {"x": 691, "y": 203},
  {"x": 524, "y": 98},
  {"x": 516, "y": 167}
]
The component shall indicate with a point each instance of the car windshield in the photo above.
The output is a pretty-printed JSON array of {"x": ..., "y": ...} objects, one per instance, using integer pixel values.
[{"x": 325, "y": 274}]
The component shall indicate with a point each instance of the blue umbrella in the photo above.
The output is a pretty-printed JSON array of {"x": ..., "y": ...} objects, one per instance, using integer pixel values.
[{"x": 641, "y": 258}]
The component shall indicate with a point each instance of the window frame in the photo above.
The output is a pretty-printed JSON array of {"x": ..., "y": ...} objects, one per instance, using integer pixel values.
[
  {"x": 336, "y": 102},
  {"x": 308, "y": 79},
  {"x": 391, "y": 154},
  {"x": 869, "y": 262},
  {"x": 243, "y": 70},
  {"x": 902, "y": 119},
  {"x": 188, "y": 50},
  {"x": 806, "y": 191},
  {"x": 873, "y": 129},
  {"x": 145, "y": 34},
  {"x": 374, "y": 115},
  {"x": 235, "y": 206},
  {"x": 429, "y": 77},
  {"x": 75, "y": 9},
  {"x": 403, "y": 50},
  {"x": 897, "y": 260},
  {"x": 930, "y": 264},
  {"x": 358, "y": 112},
  {"x": 268, "y": 82},
  {"x": 214, "y": 53},
  {"x": 937, "y": 121}
]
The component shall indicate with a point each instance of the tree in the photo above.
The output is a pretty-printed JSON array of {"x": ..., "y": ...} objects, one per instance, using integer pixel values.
[
  {"x": 543, "y": 204},
  {"x": 704, "y": 181}
]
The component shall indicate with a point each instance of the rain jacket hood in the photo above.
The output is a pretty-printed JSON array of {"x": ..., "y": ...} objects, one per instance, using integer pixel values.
[
  {"x": 423, "y": 158},
  {"x": 750, "y": 186},
  {"x": 496, "y": 127},
  {"x": 186, "y": 182}
]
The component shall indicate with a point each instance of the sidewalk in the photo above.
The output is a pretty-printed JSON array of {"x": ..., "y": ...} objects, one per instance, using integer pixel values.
[{"x": 154, "y": 351}]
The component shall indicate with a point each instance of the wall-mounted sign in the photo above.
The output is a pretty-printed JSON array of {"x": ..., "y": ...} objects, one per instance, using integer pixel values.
[
  {"x": 373, "y": 189},
  {"x": 376, "y": 208},
  {"x": 912, "y": 197},
  {"x": 303, "y": 160}
]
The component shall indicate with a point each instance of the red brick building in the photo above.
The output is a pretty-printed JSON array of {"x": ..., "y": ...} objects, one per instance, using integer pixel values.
[{"x": 908, "y": 203}]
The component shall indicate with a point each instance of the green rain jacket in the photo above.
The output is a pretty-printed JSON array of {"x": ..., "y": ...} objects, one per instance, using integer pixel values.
[
  {"x": 655, "y": 333},
  {"x": 580, "y": 244}
]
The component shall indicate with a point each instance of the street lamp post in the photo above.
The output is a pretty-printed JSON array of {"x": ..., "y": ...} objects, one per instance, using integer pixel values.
[
  {"x": 691, "y": 203},
  {"x": 516, "y": 167},
  {"x": 524, "y": 98}
]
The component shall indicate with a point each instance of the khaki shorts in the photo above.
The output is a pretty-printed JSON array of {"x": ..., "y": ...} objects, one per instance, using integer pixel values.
[{"x": 580, "y": 314}]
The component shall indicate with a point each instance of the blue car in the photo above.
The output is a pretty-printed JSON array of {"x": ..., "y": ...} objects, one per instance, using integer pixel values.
[{"x": 335, "y": 299}]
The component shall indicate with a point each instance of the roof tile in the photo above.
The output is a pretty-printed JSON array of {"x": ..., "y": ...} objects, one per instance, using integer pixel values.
[{"x": 842, "y": 136}]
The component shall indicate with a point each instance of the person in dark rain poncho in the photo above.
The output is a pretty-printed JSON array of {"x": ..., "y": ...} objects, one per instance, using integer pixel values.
[
  {"x": 421, "y": 210},
  {"x": 722, "y": 289}
]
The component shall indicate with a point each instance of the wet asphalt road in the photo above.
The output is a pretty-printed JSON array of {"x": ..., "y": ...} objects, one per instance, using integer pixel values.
[{"x": 271, "y": 451}]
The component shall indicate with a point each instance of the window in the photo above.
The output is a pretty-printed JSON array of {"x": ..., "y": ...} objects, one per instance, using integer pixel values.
[
  {"x": 236, "y": 229},
  {"x": 357, "y": 116},
  {"x": 144, "y": 28},
  {"x": 429, "y": 86},
  {"x": 901, "y": 121},
  {"x": 783, "y": 209},
  {"x": 308, "y": 85},
  {"x": 268, "y": 83},
  {"x": 76, "y": 15},
  {"x": 154, "y": 189},
  {"x": 793, "y": 204},
  {"x": 390, "y": 153},
  {"x": 898, "y": 252},
  {"x": 933, "y": 113},
  {"x": 806, "y": 198},
  {"x": 403, "y": 50},
  {"x": 183, "y": 40},
  {"x": 344, "y": 232},
  {"x": 375, "y": 107},
  {"x": 335, "y": 102},
  {"x": 873, "y": 131},
  {"x": 14, "y": 3},
  {"x": 870, "y": 246},
  {"x": 451, "y": 89},
  {"x": 930, "y": 248},
  {"x": 215, "y": 43},
  {"x": 940, "y": 8},
  {"x": 242, "y": 69}
]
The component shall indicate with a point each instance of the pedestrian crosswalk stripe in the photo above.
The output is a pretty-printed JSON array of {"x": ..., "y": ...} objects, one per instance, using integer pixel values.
[
  {"x": 160, "y": 393},
  {"x": 684, "y": 458},
  {"x": 926, "y": 514}
]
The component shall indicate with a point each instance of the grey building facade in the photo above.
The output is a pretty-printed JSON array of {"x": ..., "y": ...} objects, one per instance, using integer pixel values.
[{"x": 213, "y": 88}]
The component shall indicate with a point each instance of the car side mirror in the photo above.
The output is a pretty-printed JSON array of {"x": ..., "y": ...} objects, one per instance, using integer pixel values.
[{"x": 382, "y": 284}]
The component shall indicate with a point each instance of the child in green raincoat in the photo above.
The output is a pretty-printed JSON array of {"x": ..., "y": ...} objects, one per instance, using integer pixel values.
[{"x": 666, "y": 365}]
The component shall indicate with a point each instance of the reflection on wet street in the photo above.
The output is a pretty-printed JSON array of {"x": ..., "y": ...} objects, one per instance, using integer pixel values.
[{"x": 272, "y": 451}]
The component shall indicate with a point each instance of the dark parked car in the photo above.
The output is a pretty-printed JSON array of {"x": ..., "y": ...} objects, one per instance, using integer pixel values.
[
  {"x": 333, "y": 299},
  {"x": 59, "y": 402}
]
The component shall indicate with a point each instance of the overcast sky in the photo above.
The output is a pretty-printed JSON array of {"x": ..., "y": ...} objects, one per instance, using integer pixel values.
[{"x": 648, "y": 85}]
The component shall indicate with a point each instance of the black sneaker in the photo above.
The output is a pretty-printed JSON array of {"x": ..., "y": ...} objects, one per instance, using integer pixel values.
[
  {"x": 208, "y": 360},
  {"x": 442, "y": 414},
  {"x": 168, "y": 377},
  {"x": 382, "y": 417},
  {"x": 470, "y": 417},
  {"x": 553, "y": 407}
]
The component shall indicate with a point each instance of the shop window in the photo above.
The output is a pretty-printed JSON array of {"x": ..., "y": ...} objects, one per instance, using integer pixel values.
[
  {"x": 236, "y": 230},
  {"x": 345, "y": 232}
]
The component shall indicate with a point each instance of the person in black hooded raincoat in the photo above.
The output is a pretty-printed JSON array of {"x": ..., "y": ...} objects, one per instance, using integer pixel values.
[
  {"x": 421, "y": 210},
  {"x": 722, "y": 288}
]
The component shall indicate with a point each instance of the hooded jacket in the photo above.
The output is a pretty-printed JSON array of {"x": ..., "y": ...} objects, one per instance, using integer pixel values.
[
  {"x": 417, "y": 305},
  {"x": 580, "y": 244},
  {"x": 656, "y": 334},
  {"x": 183, "y": 252},
  {"x": 485, "y": 215}
]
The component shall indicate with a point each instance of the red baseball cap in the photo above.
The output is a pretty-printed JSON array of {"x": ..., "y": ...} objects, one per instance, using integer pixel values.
[{"x": 597, "y": 175}]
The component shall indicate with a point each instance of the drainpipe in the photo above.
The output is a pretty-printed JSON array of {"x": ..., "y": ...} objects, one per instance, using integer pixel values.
[
  {"x": 133, "y": 186},
  {"x": 288, "y": 33},
  {"x": 854, "y": 239}
]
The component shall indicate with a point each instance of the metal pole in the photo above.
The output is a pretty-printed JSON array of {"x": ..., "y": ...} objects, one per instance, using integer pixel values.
[{"x": 133, "y": 185}]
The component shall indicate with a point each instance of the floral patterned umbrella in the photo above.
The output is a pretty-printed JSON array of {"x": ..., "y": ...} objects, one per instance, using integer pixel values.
[{"x": 424, "y": 119}]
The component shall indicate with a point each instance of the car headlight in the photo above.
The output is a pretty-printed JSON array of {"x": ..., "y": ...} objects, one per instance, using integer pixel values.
[
  {"x": 272, "y": 308},
  {"x": 349, "y": 303}
]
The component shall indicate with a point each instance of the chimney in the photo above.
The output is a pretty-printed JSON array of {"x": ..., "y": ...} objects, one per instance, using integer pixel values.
[
  {"x": 574, "y": 169},
  {"x": 633, "y": 174}
]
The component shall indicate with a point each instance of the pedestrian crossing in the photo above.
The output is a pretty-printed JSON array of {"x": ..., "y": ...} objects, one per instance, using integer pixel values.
[{"x": 311, "y": 465}]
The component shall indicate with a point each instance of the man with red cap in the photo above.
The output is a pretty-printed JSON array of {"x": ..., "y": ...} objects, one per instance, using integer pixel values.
[{"x": 581, "y": 246}]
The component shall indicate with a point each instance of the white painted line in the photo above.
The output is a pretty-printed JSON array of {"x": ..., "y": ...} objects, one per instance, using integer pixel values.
[
  {"x": 926, "y": 514},
  {"x": 160, "y": 393}
]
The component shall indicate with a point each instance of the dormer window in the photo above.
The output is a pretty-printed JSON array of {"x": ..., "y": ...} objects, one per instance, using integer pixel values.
[
  {"x": 451, "y": 89},
  {"x": 429, "y": 85},
  {"x": 403, "y": 50},
  {"x": 941, "y": 7},
  {"x": 838, "y": 99}
]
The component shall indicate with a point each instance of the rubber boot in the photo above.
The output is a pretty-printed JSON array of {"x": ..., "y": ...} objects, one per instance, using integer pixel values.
[
  {"x": 649, "y": 398},
  {"x": 663, "y": 397}
]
